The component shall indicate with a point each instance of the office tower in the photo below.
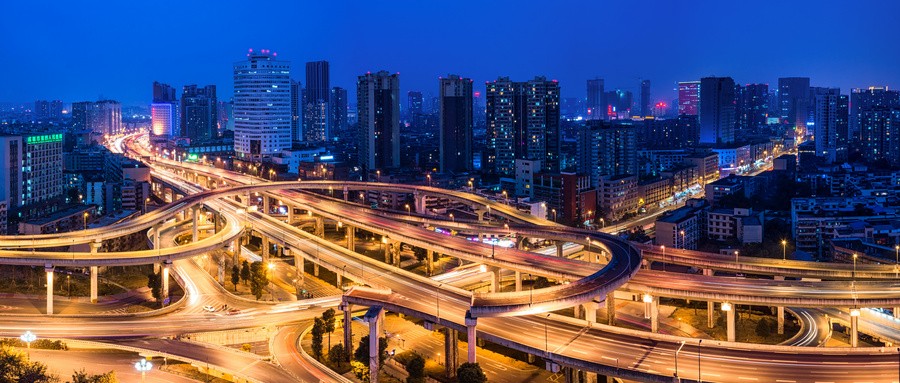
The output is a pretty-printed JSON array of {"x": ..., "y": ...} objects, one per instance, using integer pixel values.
[
  {"x": 793, "y": 97},
  {"x": 522, "y": 121},
  {"x": 31, "y": 174},
  {"x": 716, "y": 110},
  {"x": 414, "y": 104},
  {"x": 102, "y": 117},
  {"x": 753, "y": 106},
  {"x": 842, "y": 129},
  {"x": 688, "y": 97},
  {"x": 619, "y": 104},
  {"x": 338, "y": 110},
  {"x": 645, "y": 99},
  {"x": 596, "y": 100},
  {"x": 873, "y": 98},
  {"x": 378, "y": 105},
  {"x": 48, "y": 110},
  {"x": 262, "y": 106},
  {"x": 880, "y": 135},
  {"x": 456, "y": 124},
  {"x": 316, "y": 112},
  {"x": 296, "y": 111},
  {"x": 199, "y": 113},
  {"x": 164, "y": 111},
  {"x": 606, "y": 149},
  {"x": 826, "y": 107}
]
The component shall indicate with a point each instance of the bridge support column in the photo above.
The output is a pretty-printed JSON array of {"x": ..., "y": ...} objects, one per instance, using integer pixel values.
[
  {"x": 220, "y": 275},
  {"x": 611, "y": 309},
  {"x": 385, "y": 242},
  {"x": 451, "y": 352},
  {"x": 495, "y": 279},
  {"x": 729, "y": 310},
  {"x": 780, "y": 320},
  {"x": 94, "y": 272},
  {"x": 95, "y": 246},
  {"x": 471, "y": 339},
  {"x": 420, "y": 202},
  {"x": 315, "y": 269},
  {"x": 195, "y": 217},
  {"x": 429, "y": 262},
  {"x": 578, "y": 311},
  {"x": 651, "y": 311},
  {"x": 264, "y": 250},
  {"x": 373, "y": 317},
  {"x": 346, "y": 193},
  {"x": 267, "y": 204},
  {"x": 896, "y": 312},
  {"x": 320, "y": 226},
  {"x": 518, "y": 280},
  {"x": 710, "y": 314},
  {"x": 49, "y": 269},
  {"x": 559, "y": 249},
  {"x": 299, "y": 265},
  {"x": 854, "y": 328},
  {"x": 156, "y": 236},
  {"x": 590, "y": 377},
  {"x": 351, "y": 238},
  {"x": 290, "y": 214},
  {"x": 395, "y": 253},
  {"x": 590, "y": 311},
  {"x": 236, "y": 250},
  {"x": 165, "y": 279},
  {"x": 347, "y": 309}
]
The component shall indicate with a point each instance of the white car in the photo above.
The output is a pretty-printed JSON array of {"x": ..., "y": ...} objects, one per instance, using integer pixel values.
[{"x": 209, "y": 308}]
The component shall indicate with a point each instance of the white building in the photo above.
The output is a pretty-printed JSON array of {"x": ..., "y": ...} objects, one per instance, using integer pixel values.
[
  {"x": 262, "y": 106},
  {"x": 164, "y": 117}
]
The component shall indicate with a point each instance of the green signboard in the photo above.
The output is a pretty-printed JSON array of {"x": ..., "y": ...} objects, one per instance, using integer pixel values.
[{"x": 43, "y": 139}]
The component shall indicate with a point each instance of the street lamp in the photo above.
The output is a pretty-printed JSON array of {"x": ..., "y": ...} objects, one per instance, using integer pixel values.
[
  {"x": 676, "y": 357},
  {"x": 664, "y": 256},
  {"x": 451, "y": 217},
  {"x": 28, "y": 337},
  {"x": 736, "y": 256},
  {"x": 546, "y": 335},
  {"x": 554, "y": 214},
  {"x": 683, "y": 241},
  {"x": 603, "y": 223},
  {"x": 408, "y": 210},
  {"x": 588, "y": 239},
  {"x": 699, "y": 376},
  {"x": 85, "y": 220},
  {"x": 143, "y": 366},
  {"x": 854, "y": 265},
  {"x": 784, "y": 250}
]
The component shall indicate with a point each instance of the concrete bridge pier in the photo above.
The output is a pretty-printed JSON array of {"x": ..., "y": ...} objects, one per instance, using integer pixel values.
[
  {"x": 559, "y": 249},
  {"x": 386, "y": 244},
  {"x": 651, "y": 311},
  {"x": 48, "y": 268},
  {"x": 351, "y": 238},
  {"x": 518, "y": 280},
  {"x": 429, "y": 262},
  {"x": 780, "y": 320},
  {"x": 373, "y": 317},
  {"x": 156, "y": 236},
  {"x": 471, "y": 340},
  {"x": 346, "y": 193},
  {"x": 854, "y": 328},
  {"x": 320, "y": 226},
  {"x": 729, "y": 310},
  {"x": 451, "y": 352},
  {"x": 590, "y": 311},
  {"x": 94, "y": 287},
  {"x": 299, "y": 265},
  {"x": 165, "y": 279},
  {"x": 347, "y": 309},
  {"x": 236, "y": 250},
  {"x": 495, "y": 279},
  {"x": 710, "y": 314},
  {"x": 264, "y": 249},
  {"x": 611, "y": 309},
  {"x": 315, "y": 269},
  {"x": 195, "y": 218},
  {"x": 290, "y": 214},
  {"x": 420, "y": 202},
  {"x": 267, "y": 204},
  {"x": 896, "y": 311}
]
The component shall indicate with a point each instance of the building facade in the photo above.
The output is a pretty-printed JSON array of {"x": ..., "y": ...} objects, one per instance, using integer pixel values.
[
  {"x": 378, "y": 105},
  {"x": 262, "y": 106}
]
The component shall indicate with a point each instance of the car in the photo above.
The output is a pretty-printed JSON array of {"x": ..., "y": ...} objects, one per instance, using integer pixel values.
[
  {"x": 209, "y": 308},
  {"x": 233, "y": 312}
]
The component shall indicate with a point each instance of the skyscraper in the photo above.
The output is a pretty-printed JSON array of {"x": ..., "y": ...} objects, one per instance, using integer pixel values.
[
  {"x": 793, "y": 96},
  {"x": 378, "y": 105},
  {"x": 873, "y": 98},
  {"x": 456, "y": 124},
  {"x": 753, "y": 102},
  {"x": 414, "y": 104},
  {"x": 102, "y": 117},
  {"x": 826, "y": 111},
  {"x": 596, "y": 100},
  {"x": 199, "y": 113},
  {"x": 607, "y": 149},
  {"x": 338, "y": 111},
  {"x": 522, "y": 123},
  {"x": 645, "y": 99},
  {"x": 296, "y": 111},
  {"x": 717, "y": 108},
  {"x": 688, "y": 97},
  {"x": 164, "y": 112},
  {"x": 48, "y": 110},
  {"x": 880, "y": 135},
  {"x": 316, "y": 112},
  {"x": 262, "y": 106},
  {"x": 619, "y": 104}
]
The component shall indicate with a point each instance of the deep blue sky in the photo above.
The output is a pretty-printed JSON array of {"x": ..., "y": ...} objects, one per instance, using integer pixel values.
[{"x": 79, "y": 50}]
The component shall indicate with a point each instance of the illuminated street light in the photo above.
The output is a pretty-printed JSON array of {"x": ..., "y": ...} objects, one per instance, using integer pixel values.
[
  {"x": 28, "y": 337},
  {"x": 143, "y": 366},
  {"x": 784, "y": 250}
]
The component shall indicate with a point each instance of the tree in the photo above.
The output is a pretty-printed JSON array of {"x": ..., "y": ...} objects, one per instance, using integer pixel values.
[
  {"x": 154, "y": 282},
  {"x": 415, "y": 367},
  {"x": 337, "y": 354},
  {"x": 235, "y": 275},
  {"x": 317, "y": 331},
  {"x": 362, "y": 352},
  {"x": 245, "y": 272},
  {"x": 15, "y": 367},
  {"x": 763, "y": 327},
  {"x": 84, "y": 377},
  {"x": 329, "y": 317},
  {"x": 470, "y": 373},
  {"x": 258, "y": 279}
]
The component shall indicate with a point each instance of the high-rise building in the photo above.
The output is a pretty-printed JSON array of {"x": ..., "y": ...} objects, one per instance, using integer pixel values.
[
  {"x": 378, "y": 108},
  {"x": 164, "y": 111},
  {"x": 645, "y": 99},
  {"x": 717, "y": 107},
  {"x": 752, "y": 106},
  {"x": 522, "y": 123},
  {"x": 793, "y": 97},
  {"x": 48, "y": 110},
  {"x": 826, "y": 104},
  {"x": 316, "y": 111},
  {"x": 296, "y": 111},
  {"x": 689, "y": 97},
  {"x": 31, "y": 173},
  {"x": 873, "y": 98},
  {"x": 225, "y": 113},
  {"x": 456, "y": 124},
  {"x": 607, "y": 149},
  {"x": 414, "y": 108},
  {"x": 880, "y": 135},
  {"x": 619, "y": 104},
  {"x": 102, "y": 117},
  {"x": 338, "y": 110},
  {"x": 596, "y": 100},
  {"x": 199, "y": 113},
  {"x": 262, "y": 106}
]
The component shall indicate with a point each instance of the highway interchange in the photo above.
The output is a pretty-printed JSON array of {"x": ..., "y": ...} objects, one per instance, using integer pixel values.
[{"x": 517, "y": 320}]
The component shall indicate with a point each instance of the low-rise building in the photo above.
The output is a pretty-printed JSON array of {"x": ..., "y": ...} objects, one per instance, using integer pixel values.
[
  {"x": 617, "y": 196},
  {"x": 738, "y": 224},
  {"x": 682, "y": 228}
]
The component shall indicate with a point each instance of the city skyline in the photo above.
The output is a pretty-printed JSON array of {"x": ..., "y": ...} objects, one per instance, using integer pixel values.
[{"x": 675, "y": 46}]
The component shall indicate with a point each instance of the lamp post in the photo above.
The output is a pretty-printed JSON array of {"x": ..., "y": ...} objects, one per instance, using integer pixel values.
[
  {"x": 146, "y": 200},
  {"x": 452, "y": 218},
  {"x": 784, "y": 250},
  {"x": 699, "y": 376},
  {"x": 854, "y": 265},
  {"x": 554, "y": 214},
  {"x": 602, "y": 223},
  {"x": 546, "y": 335},
  {"x": 588, "y": 239},
  {"x": 683, "y": 241},
  {"x": 437, "y": 300},
  {"x": 736, "y": 257},
  {"x": 143, "y": 366},
  {"x": 676, "y": 357},
  {"x": 85, "y": 220},
  {"x": 664, "y": 256},
  {"x": 28, "y": 337},
  {"x": 408, "y": 212}
]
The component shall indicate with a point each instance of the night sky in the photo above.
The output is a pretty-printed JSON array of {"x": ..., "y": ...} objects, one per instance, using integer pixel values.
[{"x": 74, "y": 51}]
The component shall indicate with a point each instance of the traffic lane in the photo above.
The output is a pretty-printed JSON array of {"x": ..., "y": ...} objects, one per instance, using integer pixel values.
[
  {"x": 64, "y": 363},
  {"x": 287, "y": 355}
]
